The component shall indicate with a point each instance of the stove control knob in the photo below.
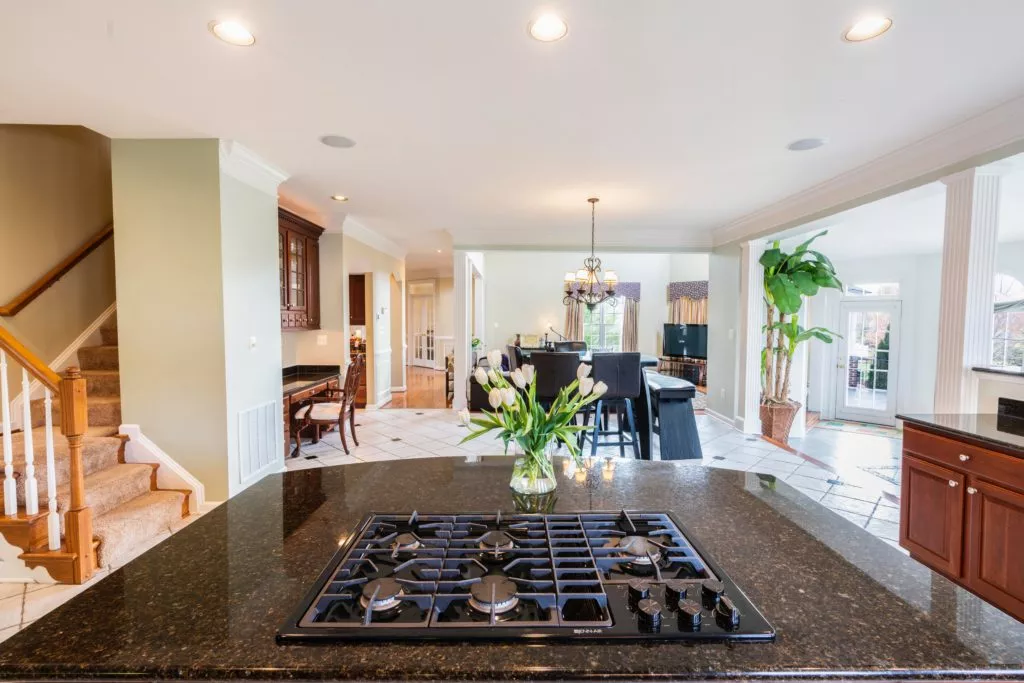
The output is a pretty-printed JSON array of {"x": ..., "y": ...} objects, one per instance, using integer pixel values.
[
  {"x": 639, "y": 590},
  {"x": 648, "y": 615},
  {"x": 711, "y": 591},
  {"x": 689, "y": 614},
  {"x": 727, "y": 614},
  {"x": 675, "y": 590}
]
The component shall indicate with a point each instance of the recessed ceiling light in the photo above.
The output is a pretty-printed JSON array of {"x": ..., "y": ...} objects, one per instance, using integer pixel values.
[
  {"x": 339, "y": 197},
  {"x": 232, "y": 33},
  {"x": 867, "y": 28},
  {"x": 805, "y": 144},
  {"x": 548, "y": 28},
  {"x": 339, "y": 141}
]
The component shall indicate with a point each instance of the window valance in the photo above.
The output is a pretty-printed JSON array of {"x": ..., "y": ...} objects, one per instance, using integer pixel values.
[
  {"x": 629, "y": 290},
  {"x": 694, "y": 289}
]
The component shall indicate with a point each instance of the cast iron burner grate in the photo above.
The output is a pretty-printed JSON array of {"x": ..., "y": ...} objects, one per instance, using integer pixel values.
[{"x": 614, "y": 575}]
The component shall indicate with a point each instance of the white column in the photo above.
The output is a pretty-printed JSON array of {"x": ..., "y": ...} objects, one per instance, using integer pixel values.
[
  {"x": 751, "y": 338},
  {"x": 968, "y": 275},
  {"x": 463, "y": 335}
]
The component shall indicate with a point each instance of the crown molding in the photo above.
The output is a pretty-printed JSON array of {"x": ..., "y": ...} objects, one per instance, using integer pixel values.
[
  {"x": 980, "y": 140},
  {"x": 244, "y": 165},
  {"x": 372, "y": 238}
]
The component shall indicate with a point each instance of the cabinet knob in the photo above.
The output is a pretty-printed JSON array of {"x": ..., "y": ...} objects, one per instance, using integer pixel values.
[
  {"x": 971, "y": 490},
  {"x": 964, "y": 457},
  {"x": 953, "y": 484}
]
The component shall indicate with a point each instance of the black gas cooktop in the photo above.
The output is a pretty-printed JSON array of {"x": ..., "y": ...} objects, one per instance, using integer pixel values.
[{"x": 616, "y": 575}]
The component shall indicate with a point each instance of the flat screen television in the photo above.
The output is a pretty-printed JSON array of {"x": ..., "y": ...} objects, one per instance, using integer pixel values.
[{"x": 685, "y": 340}]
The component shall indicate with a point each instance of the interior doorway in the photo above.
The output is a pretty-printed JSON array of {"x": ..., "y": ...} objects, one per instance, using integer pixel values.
[
  {"x": 867, "y": 369},
  {"x": 421, "y": 323}
]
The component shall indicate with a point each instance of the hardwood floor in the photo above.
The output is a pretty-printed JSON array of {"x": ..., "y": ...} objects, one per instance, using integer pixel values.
[{"x": 424, "y": 389}]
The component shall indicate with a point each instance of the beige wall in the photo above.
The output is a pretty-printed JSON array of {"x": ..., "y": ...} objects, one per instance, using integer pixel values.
[
  {"x": 197, "y": 285},
  {"x": 54, "y": 195},
  {"x": 723, "y": 331},
  {"x": 379, "y": 267}
]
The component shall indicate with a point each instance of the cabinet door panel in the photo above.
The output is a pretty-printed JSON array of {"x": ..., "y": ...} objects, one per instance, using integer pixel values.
[
  {"x": 995, "y": 545},
  {"x": 932, "y": 514}
]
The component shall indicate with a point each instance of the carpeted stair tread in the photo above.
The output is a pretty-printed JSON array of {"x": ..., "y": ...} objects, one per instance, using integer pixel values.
[
  {"x": 103, "y": 411},
  {"x": 101, "y": 383},
  {"x": 108, "y": 331},
  {"x": 98, "y": 453},
  {"x": 106, "y": 489},
  {"x": 103, "y": 357},
  {"x": 132, "y": 524}
]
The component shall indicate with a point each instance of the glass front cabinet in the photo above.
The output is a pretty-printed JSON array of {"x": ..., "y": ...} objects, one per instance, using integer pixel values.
[{"x": 298, "y": 252}]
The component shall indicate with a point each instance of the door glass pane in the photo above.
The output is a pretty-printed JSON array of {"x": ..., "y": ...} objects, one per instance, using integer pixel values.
[{"x": 867, "y": 362}]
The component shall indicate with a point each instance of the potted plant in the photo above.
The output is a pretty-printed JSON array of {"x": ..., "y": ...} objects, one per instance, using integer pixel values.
[
  {"x": 788, "y": 278},
  {"x": 520, "y": 419}
]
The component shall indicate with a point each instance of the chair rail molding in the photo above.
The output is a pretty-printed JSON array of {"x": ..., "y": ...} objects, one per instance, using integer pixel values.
[{"x": 242, "y": 164}]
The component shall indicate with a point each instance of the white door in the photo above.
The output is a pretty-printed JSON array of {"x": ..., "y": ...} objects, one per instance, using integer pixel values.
[
  {"x": 422, "y": 324},
  {"x": 868, "y": 361}
]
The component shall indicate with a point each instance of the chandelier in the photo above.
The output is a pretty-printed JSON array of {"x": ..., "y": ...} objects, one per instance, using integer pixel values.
[{"x": 586, "y": 285}]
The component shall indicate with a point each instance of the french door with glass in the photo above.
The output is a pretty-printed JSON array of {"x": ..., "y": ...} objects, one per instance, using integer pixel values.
[
  {"x": 422, "y": 323},
  {"x": 868, "y": 361}
]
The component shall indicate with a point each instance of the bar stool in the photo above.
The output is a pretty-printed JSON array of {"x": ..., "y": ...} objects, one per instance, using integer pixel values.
[
  {"x": 621, "y": 373},
  {"x": 553, "y": 370}
]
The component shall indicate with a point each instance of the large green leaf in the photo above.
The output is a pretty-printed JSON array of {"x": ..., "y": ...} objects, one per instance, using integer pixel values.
[
  {"x": 771, "y": 258},
  {"x": 804, "y": 281},
  {"x": 785, "y": 293}
]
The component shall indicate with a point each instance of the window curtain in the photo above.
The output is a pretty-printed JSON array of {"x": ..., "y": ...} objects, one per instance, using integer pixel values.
[
  {"x": 574, "y": 320},
  {"x": 688, "y": 302},
  {"x": 630, "y": 325},
  {"x": 686, "y": 311}
]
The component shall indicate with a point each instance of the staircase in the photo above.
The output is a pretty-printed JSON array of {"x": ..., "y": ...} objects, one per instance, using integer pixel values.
[{"x": 127, "y": 509}]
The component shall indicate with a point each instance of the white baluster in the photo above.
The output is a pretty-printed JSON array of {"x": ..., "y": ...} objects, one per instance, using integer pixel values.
[
  {"x": 10, "y": 488},
  {"x": 52, "y": 519},
  {"x": 31, "y": 486}
]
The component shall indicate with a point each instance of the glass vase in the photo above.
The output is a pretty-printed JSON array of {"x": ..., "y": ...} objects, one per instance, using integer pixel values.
[{"x": 533, "y": 474}]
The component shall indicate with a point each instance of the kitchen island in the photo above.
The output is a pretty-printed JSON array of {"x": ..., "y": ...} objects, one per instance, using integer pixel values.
[{"x": 207, "y": 602}]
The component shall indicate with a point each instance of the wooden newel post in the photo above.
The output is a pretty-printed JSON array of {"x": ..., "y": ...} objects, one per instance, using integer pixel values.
[{"x": 74, "y": 423}]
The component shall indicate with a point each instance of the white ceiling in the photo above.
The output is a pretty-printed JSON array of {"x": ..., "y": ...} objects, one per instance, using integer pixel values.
[
  {"x": 912, "y": 222},
  {"x": 675, "y": 112}
]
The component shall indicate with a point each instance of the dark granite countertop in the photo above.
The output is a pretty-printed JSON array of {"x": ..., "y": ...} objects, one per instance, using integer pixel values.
[
  {"x": 298, "y": 377},
  {"x": 986, "y": 430},
  {"x": 207, "y": 602},
  {"x": 999, "y": 371}
]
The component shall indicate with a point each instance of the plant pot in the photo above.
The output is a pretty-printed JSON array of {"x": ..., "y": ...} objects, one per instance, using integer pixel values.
[
  {"x": 533, "y": 474},
  {"x": 777, "y": 419}
]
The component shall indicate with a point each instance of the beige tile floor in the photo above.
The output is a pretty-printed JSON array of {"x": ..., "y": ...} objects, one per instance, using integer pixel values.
[{"x": 424, "y": 433}]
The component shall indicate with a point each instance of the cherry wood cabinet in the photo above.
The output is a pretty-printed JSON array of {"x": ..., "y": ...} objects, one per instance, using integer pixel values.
[
  {"x": 298, "y": 247},
  {"x": 932, "y": 504},
  {"x": 962, "y": 514},
  {"x": 357, "y": 299}
]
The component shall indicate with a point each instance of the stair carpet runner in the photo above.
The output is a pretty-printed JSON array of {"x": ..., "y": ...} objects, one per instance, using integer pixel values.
[{"x": 127, "y": 508}]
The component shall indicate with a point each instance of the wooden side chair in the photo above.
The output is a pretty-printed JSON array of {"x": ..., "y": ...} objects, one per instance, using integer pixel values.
[{"x": 333, "y": 409}]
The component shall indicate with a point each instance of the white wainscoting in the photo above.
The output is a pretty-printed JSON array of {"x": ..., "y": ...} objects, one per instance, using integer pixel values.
[{"x": 259, "y": 446}]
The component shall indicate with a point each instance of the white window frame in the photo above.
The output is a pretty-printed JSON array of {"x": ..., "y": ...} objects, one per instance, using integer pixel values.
[{"x": 603, "y": 326}]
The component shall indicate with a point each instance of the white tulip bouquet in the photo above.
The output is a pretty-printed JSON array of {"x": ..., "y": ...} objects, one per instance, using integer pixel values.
[{"x": 521, "y": 419}]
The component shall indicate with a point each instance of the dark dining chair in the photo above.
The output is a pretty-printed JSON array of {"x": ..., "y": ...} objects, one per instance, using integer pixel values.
[
  {"x": 515, "y": 357},
  {"x": 621, "y": 373},
  {"x": 553, "y": 370},
  {"x": 334, "y": 409},
  {"x": 577, "y": 346}
]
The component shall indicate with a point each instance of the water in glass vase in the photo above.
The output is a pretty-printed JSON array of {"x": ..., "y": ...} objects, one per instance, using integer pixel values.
[{"x": 533, "y": 474}]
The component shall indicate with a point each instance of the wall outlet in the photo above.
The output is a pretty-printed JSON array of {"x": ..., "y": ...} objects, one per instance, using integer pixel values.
[
  {"x": 321, "y": 340},
  {"x": 252, "y": 343}
]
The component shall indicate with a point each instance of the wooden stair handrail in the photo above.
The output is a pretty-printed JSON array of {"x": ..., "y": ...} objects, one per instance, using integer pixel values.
[
  {"x": 30, "y": 361},
  {"x": 56, "y": 273}
]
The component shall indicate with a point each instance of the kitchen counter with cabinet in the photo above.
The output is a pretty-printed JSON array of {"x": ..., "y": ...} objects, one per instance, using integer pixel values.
[
  {"x": 962, "y": 501},
  {"x": 207, "y": 602}
]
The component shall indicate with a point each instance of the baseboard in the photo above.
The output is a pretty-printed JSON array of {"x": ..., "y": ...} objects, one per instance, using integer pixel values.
[
  {"x": 60, "y": 363},
  {"x": 719, "y": 416},
  {"x": 398, "y": 390},
  {"x": 170, "y": 474},
  {"x": 384, "y": 398}
]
